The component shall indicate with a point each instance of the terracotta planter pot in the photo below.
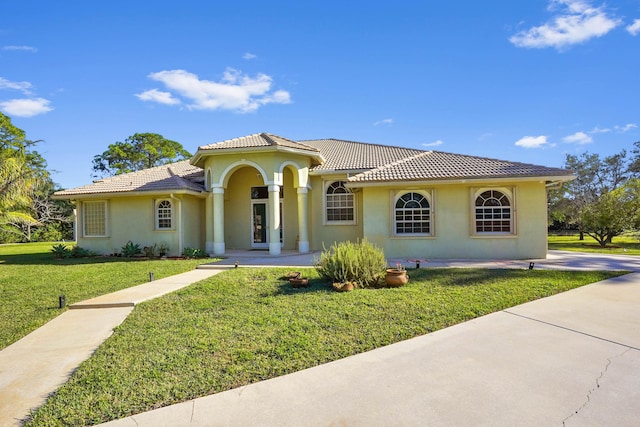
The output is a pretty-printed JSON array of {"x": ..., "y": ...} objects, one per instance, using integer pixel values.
[
  {"x": 343, "y": 287},
  {"x": 298, "y": 282},
  {"x": 396, "y": 278}
]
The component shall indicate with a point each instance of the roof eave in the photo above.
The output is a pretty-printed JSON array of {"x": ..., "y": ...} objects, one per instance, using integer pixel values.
[
  {"x": 115, "y": 194},
  {"x": 553, "y": 179}
]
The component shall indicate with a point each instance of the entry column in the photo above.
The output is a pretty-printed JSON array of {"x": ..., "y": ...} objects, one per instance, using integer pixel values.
[
  {"x": 274, "y": 220},
  {"x": 218, "y": 220},
  {"x": 303, "y": 219}
]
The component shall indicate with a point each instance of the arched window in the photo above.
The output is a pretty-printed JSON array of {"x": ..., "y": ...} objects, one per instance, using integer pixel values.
[
  {"x": 339, "y": 203},
  {"x": 164, "y": 215},
  {"x": 412, "y": 214},
  {"x": 493, "y": 213}
]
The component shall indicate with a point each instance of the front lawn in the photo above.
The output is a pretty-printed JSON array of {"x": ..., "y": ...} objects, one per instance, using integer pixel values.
[
  {"x": 31, "y": 282},
  {"x": 248, "y": 325},
  {"x": 621, "y": 245}
]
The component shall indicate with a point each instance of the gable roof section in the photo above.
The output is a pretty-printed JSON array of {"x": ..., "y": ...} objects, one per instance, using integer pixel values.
[
  {"x": 258, "y": 140},
  {"x": 180, "y": 176},
  {"x": 437, "y": 165}
]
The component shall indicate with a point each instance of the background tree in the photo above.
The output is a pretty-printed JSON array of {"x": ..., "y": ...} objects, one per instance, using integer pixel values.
[
  {"x": 599, "y": 201},
  {"x": 20, "y": 171},
  {"x": 137, "y": 152}
]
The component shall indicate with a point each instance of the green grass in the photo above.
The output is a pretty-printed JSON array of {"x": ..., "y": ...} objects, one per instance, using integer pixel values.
[
  {"x": 31, "y": 282},
  {"x": 621, "y": 245},
  {"x": 247, "y": 325}
]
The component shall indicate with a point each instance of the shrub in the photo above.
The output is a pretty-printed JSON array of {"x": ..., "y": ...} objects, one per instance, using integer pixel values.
[
  {"x": 130, "y": 249},
  {"x": 78, "y": 252},
  {"x": 362, "y": 263},
  {"x": 150, "y": 251},
  {"x": 193, "y": 253},
  {"x": 60, "y": 250}
]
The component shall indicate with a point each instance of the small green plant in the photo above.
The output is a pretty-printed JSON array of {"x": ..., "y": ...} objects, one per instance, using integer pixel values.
[
  {"x": 163, "y": 248},
  {"x": 60, "y": 251},
  {"x": 78, "y": 252},
  {"x": 193, "y": 253},
  {"x": 130, "y": 249},
  {"x": 150, "y": 251},
  {"x": 362, "y": 263}
]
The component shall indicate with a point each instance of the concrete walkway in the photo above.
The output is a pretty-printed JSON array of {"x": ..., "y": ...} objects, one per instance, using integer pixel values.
[
  {"x": 572, "y": 359},
  {"x": 35, "y": 366}
]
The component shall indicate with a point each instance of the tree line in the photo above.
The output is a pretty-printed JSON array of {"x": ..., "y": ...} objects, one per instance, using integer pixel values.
[
  {"x": 27, "y": 210},
  {"x": 604, "y": 200}
]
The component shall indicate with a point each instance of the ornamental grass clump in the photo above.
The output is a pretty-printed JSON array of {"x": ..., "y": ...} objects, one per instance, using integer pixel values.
[{"x": 362, "y": 263}]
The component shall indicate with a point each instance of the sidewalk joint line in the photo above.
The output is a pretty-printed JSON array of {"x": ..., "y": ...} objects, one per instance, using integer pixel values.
[{"x": 571, "y": 330}]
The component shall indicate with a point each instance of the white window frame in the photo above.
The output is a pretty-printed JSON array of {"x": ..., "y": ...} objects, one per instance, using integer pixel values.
[
  {"x": 156, "y": 213},
  {"x": 394, "y": 222},
  {"x": 510, "y": 194},
  {"x": 86, "y": 219},
  {"x": 326, "y": 202}
]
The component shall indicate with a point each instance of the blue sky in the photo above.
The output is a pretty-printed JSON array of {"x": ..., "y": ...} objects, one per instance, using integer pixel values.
[{"x": 524, "y": 81}]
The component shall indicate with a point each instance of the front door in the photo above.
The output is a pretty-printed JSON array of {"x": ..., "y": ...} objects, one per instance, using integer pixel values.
[{"x": 260, "y": 225}]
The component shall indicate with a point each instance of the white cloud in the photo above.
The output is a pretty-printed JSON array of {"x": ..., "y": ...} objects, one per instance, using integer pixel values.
[
  {"x": 249, "y": 56},
  {"x": 23, "y": 48},
  {"x": 578, "y": 138},
  {"x": 383, "y": 122},
  {"x": 235, "y": 91},
  {"x": 634, "y": 29},
  {"x": 21, "y": 86},
  {"x": 600, "y": 130},
  {"x": 433, "y": 144},
  {"x": 26, "y": 107},
  {"x": 532, "y": 141},
  {"x": 626, "y": 127},
  {"x": 158, "y": 96},
  {"x": 576, "y": 23}
]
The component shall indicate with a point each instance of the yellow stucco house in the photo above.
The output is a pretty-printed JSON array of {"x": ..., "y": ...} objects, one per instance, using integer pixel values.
[{"x": 267, "y": 192}]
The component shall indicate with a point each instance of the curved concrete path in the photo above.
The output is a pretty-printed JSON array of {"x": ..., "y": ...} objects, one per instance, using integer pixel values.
[{"x": 36, "y": 365}]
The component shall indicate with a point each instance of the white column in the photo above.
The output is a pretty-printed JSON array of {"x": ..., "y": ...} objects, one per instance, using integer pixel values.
[
  {"x": 208, "y": 223},
  {"x": 274, "y": 220},
  {"x": 303, "y": 221},
  {"x": 218, "y": 220}
]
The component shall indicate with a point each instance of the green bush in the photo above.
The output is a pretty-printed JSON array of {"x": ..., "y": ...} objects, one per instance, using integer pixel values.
[
  {"x": 78, "y": 252},
  {"x": 150, "y": 251},
  {"x": 60, "y": 250},
  {"x": 130, "y": 249},
  {"x": 362, "y": 263},
  {"x": 193, "y": 253}
]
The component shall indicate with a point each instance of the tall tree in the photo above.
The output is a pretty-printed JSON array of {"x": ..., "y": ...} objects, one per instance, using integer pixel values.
[
  {"x": 137, "y": 152},
  {"x": 20, "y": 171},
  {"x": 597, "y": 201}
]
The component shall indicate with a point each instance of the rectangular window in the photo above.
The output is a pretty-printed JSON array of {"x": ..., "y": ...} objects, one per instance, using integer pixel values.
[{"x": 95, "y": 219}]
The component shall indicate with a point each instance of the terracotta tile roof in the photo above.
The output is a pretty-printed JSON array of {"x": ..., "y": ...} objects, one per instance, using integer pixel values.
[
  {"x": 171, "y": 177},
  {"x": 371, "y": 162},
  {"x": 349, "y": 155},
  {"x": 436, "y": 165},
  {"x": 388, "y": 163},
  {"x": 257, "y": 140}
]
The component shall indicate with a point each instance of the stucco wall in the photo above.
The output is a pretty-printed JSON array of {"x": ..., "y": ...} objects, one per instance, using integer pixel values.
[
  {"x": 452, "y": 224},
  {"x": 321, "y": 233},
  {"x": 133, "y": 219}
]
